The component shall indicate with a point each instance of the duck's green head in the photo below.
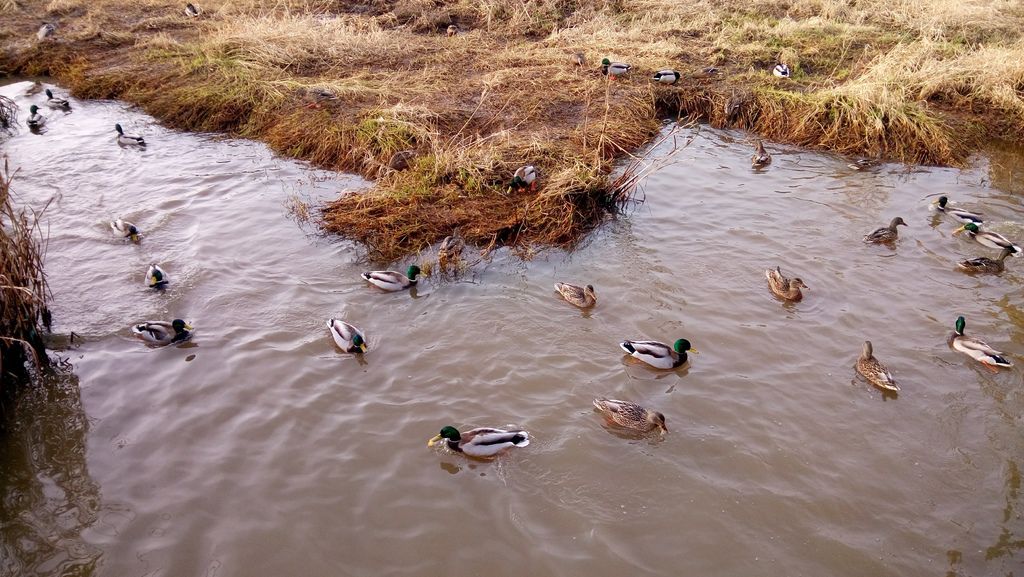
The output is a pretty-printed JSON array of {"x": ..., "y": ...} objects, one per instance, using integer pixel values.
[
  {"x": 449, "y": 432},
  {"x": 157, "y": 275},
  {"x": 606, "y": 62},
  {"x": 942, "y": 201},
  {"x": 412, "y": 272},
  {"x": 33, "y": 109},
  {"x": 683, "y": 346},
  {"x": 119, "y": 130},
  {"x": 969, "y": 227},
  {"x": 179, "y": 325},
  {"x": 133, "y": 233},
  {"x": 359, "y": 343},
  {"x": 49, "y": 94},
  {"x": 960, "y": 324}
]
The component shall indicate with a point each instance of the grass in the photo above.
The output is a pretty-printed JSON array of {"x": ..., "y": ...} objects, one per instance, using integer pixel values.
[
  {"x": 23, "y": 290},
  {"x": 921, "y": 81}
]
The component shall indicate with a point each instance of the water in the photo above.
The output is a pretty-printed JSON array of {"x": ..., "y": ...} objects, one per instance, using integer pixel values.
[{"x": 259, "y": 449}]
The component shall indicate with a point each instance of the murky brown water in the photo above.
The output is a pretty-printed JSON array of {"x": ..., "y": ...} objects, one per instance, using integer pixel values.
[{"x": 258, "y": 449}]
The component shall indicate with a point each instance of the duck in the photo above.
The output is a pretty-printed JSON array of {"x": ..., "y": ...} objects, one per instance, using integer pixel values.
[
  {"x": 347, "y": 337},
  {"x": 45, "y": 31},
  {"x": 666, "y": 76},
  {"x": 125, "y": 229},
  {"x": 983, "y": 264},
  {"x": 782, "y": 287},
  {"x": 453, "y": 30},
  {"x": 483, "y": 442},
  {"x": 706, "y": 72},
  {"x": 761, "y": 158},
  {"x": 163, "y": 332},
  {"x": 658, "y": 354},
  {"x": 191, "y": 11},
  {"x": 886, "y": 233},
  {"x": 613, "y": 69},
  {"x": 874, "y": 371},
  {"x": 582, "y": 297},
  {"x": 36, "y": 88},
  {"x": 524, "y": 177},
  {"x": 630, "y": 415},
  {"x": 53, "y": 102},
  {"x": 959, "y": 214},
  {"x": 35, "y": 120},
  {"x": 781, "y": 70},
  {"x": 863, "y": 163},
  {"x": 125, "y": 139},
  {"x": 402, "y": 160},
  {"x": 450, "y": 249},
  {"x": 992, "y": 239},
  {"x": 390, "y": 280},
  {"x": 579, "y": 59},
  {"x": 976, "y": 348},
  {"x": 156, "y": 277}
]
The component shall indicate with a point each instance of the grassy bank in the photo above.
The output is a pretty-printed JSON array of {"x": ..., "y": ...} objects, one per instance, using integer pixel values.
[
  {"x": 23, "y": 290},
  {"x": 347, "y": 85}
]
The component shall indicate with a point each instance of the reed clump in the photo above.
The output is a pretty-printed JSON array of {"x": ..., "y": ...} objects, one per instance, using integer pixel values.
[
  {"x": 24, "y": 293},
  {"x": 464, "y": 92}
]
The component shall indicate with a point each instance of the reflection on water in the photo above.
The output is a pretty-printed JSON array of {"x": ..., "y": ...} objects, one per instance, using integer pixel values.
[
  {"x": 259, "y": 449},
  {"x": 49, "y": 498}
]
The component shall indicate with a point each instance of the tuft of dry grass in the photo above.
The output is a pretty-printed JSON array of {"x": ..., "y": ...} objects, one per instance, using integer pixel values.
[
  {"x": 348, "y": 85},
  {"x": 24, "y": 294}
]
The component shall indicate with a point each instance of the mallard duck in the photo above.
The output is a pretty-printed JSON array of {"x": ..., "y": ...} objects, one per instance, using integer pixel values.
[
  {"x": 733, "y": 106},
  {"x": 483, "y": 442},
  {"x": 347, "y": 337},
  {"x": 582, "y": 297},
  {"x": 761, "y": 158},
  {"x": 524, "y": 177},
  {"x": 452, "y": 30},
  {"x": 125, "y": 229},
  {"x": 390, "y": 280},
  {"x": 863, "y": 164},
  {"x": 163, "y": 332},
  {"x": 35, "y": 120},
  {"x": 156, "y": 277},
  {"x": 450, "y": 249},
  {"x": 874, "y": 371},
  {"x": 781, "y": 70},
  {"x": 45, "y": 31},
  {"x": 782, "y": 287},
  {"x": 191, "y": 11},
  {"x": 124, "y": 139},
  {"x": 976, "y": 348},
  {"x": 613, "y": 69},
  {"x": 985, "y": 264},
  {"x": 886, "y": 233},
  {"x": 630, "y": 415},
  {"x": 708, "y": 72},
  {"x": 959, "y": 214},
  {"x": 992, "y": 239},
  {"x": 658, "y": 354},
  {"x": 56, "y": 102},
  {"x": 666, "y": 76},
  {"x": 36, "y": 88},
  {"x": 579, "y": 59},
  {"x": 402, "y": 160}
]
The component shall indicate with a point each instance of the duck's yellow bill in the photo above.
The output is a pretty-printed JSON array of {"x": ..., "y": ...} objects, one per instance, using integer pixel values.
[
  {"x": 694, "y": 351},
  {"x": 959, "y": 230},
  {"x": 188, "y": 327},
  {"x": 134, "y": 237},
  {"x": 431, "y": 442},
  {"x": 362, "y": 347}
]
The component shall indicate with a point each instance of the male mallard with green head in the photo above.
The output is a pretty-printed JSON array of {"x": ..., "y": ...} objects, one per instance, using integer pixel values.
[
  {"x": 483, "y": 442},
  {"x": 976, "y": 348},
  {"x": 163, "y": 332},
  {"x": 630, "y": 415},
  {"x": 390, "y": 280},
  {"x": 54, "y": 102},
  {"x": 35, "y": 120},
  {"x": 991, "y": 239},
  {"x": 347, "y": 337},
  {"x": 658, "y": 354},
  {"x": 125, "y": 229},
  {"x": 942, "y": 205},
  {"x": 613, "y": 69},
  {"x": 524, "y": 177},
  {"x": 667, "y": 76},
  {"x": 156, "y": 277},
  {"x": 126, "y": 140}
]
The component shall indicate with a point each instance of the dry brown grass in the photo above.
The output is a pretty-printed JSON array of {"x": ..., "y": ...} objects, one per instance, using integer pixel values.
[
  {"x": 913, "y": 80},
  {"x": 23, "y": 290}
]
